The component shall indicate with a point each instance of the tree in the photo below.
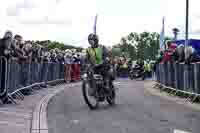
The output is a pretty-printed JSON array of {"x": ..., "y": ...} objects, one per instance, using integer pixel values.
[
  {"x": 54, "y": 44},
  {"x": 139, "y": 46}
]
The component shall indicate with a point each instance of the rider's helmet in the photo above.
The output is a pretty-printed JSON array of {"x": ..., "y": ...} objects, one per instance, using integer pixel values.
[{"x": 93, "y": 40}]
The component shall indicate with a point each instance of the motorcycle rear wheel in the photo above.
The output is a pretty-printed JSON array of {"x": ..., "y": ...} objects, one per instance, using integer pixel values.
[{"x": 85, "y": 87}]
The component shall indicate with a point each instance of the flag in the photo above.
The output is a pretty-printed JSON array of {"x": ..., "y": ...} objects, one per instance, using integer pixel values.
[
  {"x": 95, "y": 24},
  {"x": 162, "y": 35}
]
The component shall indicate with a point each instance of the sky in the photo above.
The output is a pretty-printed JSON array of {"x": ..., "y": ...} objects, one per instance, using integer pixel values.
[{"x": 70, "y": 21}]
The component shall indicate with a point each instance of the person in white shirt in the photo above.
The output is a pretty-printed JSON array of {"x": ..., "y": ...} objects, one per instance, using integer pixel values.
[{"x": 67, "y": 58}]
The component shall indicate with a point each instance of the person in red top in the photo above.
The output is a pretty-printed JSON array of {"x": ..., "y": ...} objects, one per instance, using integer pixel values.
[{"x": 169, "y": 52}]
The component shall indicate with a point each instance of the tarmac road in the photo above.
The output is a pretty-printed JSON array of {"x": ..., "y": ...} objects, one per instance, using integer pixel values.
[{"x": 137, "y": 111}]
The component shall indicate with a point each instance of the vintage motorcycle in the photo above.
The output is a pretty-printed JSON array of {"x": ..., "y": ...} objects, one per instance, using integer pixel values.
[
  {"x": 102, "y": 88},
  {"x": 137, "y": 72}
]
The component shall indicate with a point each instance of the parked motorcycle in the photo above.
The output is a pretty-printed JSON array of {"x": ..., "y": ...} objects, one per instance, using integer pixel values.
[{"x": 102, "y": 88}]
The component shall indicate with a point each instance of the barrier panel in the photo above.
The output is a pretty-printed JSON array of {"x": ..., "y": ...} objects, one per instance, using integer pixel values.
[
  {"x": 21, "y": 75},
  {"x": 3, "y": 76},
  {"x": 182, "y": 77},
  {"x": 18, "y": 78}
]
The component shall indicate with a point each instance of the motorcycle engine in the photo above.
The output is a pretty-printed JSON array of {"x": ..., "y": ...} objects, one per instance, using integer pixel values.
[
  {"x": 99, "y": 85},
  {"x": 98, "y": 80}
]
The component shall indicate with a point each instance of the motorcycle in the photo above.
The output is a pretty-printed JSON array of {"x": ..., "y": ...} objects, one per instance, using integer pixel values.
[
  {"x": 137, "y": 72},
  {"x": 102, "y": 89}
]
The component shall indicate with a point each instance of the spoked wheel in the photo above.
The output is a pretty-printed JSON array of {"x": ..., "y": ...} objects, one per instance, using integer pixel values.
[
  {"x": 91, "y": 101},
  {"x": 111, "y": 98}
]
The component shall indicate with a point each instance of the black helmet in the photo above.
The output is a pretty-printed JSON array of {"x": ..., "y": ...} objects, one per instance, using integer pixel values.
[{"x": 94, "y": 37}]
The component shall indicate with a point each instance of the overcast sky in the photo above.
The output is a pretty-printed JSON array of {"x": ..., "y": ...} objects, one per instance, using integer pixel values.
[{"x": 70, "y": 21}]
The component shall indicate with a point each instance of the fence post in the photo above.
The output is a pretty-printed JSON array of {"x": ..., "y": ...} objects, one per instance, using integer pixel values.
[
  {"x": 186, "y": 79},
  {"x": 29, "y": 74},
  {"x": 198, "y": 77},
  {"x": 196, "y": 72},
  {"x": 191, "y": 77},
  {"x": 175, "y": 65},
  {"x": 162, "y": 77},
  {"x": 165, "y": 74},
  {"x": 172, "y": 75},
  {"x": 3, "y": 78},
  {"x": 157, "y": 73}
]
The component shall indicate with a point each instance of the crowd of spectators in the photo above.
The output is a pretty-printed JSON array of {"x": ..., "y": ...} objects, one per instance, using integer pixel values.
[
  {"x": 15, "y": 49},
  {"x": 178, "y": 53}
]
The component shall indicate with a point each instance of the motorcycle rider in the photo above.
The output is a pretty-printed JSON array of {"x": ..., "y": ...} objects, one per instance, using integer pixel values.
[{"x": 97, "y": 56}]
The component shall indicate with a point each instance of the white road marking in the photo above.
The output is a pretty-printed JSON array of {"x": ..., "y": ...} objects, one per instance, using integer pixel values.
[{"x": 180, "y": 131}]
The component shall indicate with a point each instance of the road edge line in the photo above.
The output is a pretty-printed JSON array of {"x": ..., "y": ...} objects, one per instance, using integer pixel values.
[{"x": 39, "y": 122}]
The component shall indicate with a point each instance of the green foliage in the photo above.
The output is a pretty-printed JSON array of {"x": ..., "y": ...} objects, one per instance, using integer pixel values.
[
  {"x": 139, "y": 46},
  {"x": 54, "y": 44}
]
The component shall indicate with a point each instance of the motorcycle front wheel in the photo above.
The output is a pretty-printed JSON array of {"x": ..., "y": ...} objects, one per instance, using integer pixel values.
[{"x": 91, "y": 101}]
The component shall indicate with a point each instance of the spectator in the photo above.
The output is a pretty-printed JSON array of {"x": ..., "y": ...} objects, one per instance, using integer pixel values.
[
  {"x": 67, "y": 58},
  {"x": 73, "y": 65},
  {"x": 44, "y": 67},
  {"x": 35, "y": 53},
  {"x": 53, "y": 56},
  {"x": 23, "y": 61},
  {"x": 180, "y": 53},
  {"x": 28, "y": 52},
  {"x": 191, "y": 55},
  {"x": 53, "y": 60},
  {"x": 35, "y": 69},
  {"x": 5, "y": 51},
  {"x": 169, "y": 53},
  {"x": 40, "y": 53},
  {"x": 60, "y": 58},
  {"x": 78, "y": 67}
]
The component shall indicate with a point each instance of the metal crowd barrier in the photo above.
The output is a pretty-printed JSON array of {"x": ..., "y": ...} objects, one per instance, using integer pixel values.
[
  {"x": 3, "y": 76},
  {"x": 179, "y": 77},
  {"x": 17, "y": 77}
]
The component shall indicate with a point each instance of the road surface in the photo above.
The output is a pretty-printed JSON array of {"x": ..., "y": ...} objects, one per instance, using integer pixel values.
[{"x": 137, "y": 111}]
